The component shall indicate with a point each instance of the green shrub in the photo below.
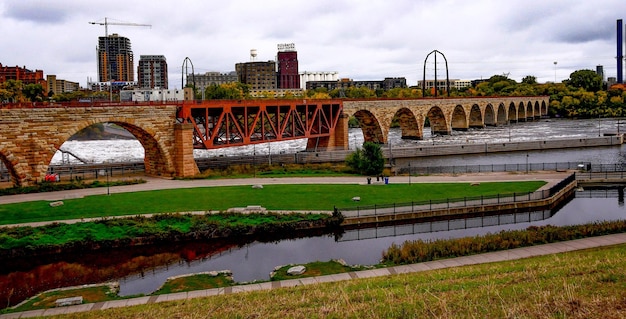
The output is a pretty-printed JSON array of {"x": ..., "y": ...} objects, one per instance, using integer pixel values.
[{"x": 420, "y": 251}]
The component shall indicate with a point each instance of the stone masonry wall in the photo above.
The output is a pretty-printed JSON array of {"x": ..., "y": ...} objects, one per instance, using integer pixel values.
[{"x": 29, "y": 138}]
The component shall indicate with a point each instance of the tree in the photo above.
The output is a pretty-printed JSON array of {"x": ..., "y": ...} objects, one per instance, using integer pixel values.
[
  {"x": 585, "y": 79},
  {"x": 33, "y": 92},
  {"x": 11, "y": 91},
  {"x": 368, "y": 160},
  {"x": 529, "y": 79},
  {"x": 231, "y": 91}
]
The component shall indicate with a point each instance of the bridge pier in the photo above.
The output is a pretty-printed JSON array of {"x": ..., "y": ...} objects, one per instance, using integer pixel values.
[
  {"x": 184, "y": 163},
  {"x": 338, "y": 139}
]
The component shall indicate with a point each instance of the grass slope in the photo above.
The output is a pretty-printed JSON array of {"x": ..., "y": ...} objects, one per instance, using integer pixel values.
[{"x": 582, "y": 284}]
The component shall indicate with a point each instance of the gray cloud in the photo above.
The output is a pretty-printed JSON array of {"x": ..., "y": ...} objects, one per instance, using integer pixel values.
[
  {"x": 37, "y": 12},
  {"x": 360, "y": 40}
]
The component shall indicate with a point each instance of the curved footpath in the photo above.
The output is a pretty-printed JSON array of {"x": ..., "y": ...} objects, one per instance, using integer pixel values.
[{"x": 153, "y": 184}]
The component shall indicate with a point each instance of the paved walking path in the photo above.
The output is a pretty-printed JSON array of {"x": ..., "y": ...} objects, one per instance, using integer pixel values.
[{"x": 512, "y": 254}]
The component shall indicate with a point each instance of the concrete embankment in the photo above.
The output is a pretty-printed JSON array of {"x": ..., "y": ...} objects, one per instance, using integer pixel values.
[{"x": 417, "y": 151}]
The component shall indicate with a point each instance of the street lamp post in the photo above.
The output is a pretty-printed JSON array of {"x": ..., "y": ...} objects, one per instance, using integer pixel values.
[
  {"x": 526, "y": 163},
  {"x": 409, "y": 172},
  {"x": 555, "y": 71}
]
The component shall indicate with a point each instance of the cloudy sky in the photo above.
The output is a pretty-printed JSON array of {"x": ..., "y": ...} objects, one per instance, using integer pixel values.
[{"x": 360, "y": 39}]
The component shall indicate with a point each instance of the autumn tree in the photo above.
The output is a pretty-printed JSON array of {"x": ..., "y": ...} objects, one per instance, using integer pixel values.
[{"x": 586, "y": 79}]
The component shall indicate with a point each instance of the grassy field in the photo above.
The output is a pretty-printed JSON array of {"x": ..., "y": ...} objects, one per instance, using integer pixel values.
[
  {"x": 273, "y": 197},
  {"x": 581, "y": 284}
]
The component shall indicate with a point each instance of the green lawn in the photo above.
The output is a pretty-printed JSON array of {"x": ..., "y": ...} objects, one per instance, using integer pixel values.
[{"x": 273, "y": 197}]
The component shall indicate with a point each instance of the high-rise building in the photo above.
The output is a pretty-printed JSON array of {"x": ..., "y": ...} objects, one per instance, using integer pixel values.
[
  {"x": 115, "y": 59},
  {"x": 152, "y": 72},
  {"x": 600, "y": 71},
  {"x": 288, "y": 76}
]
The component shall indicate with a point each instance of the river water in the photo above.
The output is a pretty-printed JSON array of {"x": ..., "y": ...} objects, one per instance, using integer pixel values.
[
  {"x": 254, "y": 261},
  {"x": 130, "y": 150}
]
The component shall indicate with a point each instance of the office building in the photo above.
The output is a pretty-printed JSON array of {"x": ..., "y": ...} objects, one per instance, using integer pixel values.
[
  {"x": 202, "y": 81},
  {"x": 261, "y": 76},
  {"x": 22, "y": 74},
  {"x": 152, "y": 72},
  {"x": 115, "y": 59},
  {"x": 386, "y": 84},
  {"x": 288, "y": 76},
  {"x": 57, "y": 86}
]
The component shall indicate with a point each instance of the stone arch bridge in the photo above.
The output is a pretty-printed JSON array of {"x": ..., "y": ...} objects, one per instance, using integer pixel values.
[
  {"x": 444, "y": 115},
  {"x": 169, "y": 131}
]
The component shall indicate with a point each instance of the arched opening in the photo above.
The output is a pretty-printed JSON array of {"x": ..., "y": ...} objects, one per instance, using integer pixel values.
[
  {"x": 521, "y": 113},
  {"x": 512, "y": 113},
  {"x": 370, "y": 126},
  {"x": 106, "y": 149},
  {"x": 459, "y": 119},
  {"x": 490, "y": 116},
  {"x": 501, "y": 119},
  {"x": 544, "y": 108},
  {"x": 8, "y": 173},
  {"x": 529, "y": 111},
  {"x": 476, "y": 117},
  {"x": 408, "y": 124},
  {"x": 437, "y": 121},
  {"x": 537, "y": 113}
]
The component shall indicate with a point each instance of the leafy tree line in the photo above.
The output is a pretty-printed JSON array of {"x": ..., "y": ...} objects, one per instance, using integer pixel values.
[{"x": 582, "y": 95}]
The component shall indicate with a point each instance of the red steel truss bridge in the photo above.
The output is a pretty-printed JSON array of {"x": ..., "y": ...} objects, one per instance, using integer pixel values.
[{"x": 227, "y": 123}]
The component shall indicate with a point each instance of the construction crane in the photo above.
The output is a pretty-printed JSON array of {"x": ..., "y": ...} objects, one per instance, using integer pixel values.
[{"x": 106, "y": 25}]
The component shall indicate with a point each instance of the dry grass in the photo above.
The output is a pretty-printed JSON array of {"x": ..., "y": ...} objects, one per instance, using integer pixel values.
[{"x": 584, "y": 284}]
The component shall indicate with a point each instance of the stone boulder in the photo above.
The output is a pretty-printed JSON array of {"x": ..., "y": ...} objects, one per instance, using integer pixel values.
[{"x": 296, "y": 270}]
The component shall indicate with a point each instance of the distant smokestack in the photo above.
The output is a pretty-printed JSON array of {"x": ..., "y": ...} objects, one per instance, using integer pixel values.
[{"x": 620, "y": 53}]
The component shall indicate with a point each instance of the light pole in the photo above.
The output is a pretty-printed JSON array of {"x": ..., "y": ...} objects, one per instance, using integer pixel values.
[
  {"x": 108, "y": 191},
  {"x": 526, "y": 163},
  {"x": 509, "y": 125},
  {"x": 555, "y": 71},
  {"x": 409, "y": 172},
  {"x": 254, "y": 159}
]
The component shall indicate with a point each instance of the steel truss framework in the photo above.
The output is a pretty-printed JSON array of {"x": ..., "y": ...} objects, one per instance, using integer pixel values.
[{"x": 226, "y": 123}]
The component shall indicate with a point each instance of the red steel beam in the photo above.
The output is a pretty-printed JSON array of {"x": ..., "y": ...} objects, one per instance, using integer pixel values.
[{"x": 225, "y": 123}]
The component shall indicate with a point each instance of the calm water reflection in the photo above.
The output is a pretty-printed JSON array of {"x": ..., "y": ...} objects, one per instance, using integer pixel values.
[{"x": 256, "y": 260}]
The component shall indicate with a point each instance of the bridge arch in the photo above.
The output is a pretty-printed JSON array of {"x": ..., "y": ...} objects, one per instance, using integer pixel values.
[
  {"x": 437, "y": 120},
  {"x": 529, "y": 111},
  {"x": 408, "y": 124},
  {"x": 544, "y": 108},
  {"x": 537, "y": 111},
  {"x": 459, "y": 119},
  {"x": 521, "y": 112},
  {"x": 370, "y": 125},
  {"x": 512, "y": 118},
  {"x": 12, "y": 165},
  {"x": 476, "y": 117},
  {"x": 157, "y": 160},
  {"x": 501, "y": 118},
  {"x": 490, "y": 116}
]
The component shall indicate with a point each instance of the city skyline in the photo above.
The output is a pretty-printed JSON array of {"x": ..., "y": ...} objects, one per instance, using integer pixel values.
[{"x": 360, "y": 41}]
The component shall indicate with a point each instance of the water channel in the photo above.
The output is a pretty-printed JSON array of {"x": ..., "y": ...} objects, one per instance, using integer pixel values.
[{"x": 142, "y": 271}]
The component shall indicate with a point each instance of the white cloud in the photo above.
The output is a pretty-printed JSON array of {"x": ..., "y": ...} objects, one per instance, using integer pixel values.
[{"x": 361, "y": 40}]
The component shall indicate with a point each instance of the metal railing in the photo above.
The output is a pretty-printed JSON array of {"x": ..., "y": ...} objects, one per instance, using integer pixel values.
[
  {"x": 492, "y": 168},
  {"x": 96, "y": 171},
  {"x": 448, "y": 203}
]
